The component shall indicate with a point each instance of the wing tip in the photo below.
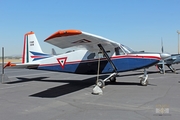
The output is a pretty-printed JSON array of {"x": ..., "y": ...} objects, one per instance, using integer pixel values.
[{"x": 62, "y": 33}]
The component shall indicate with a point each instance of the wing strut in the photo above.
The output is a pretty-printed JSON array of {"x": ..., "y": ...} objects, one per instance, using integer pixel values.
[{"x": 108, "y": 58}]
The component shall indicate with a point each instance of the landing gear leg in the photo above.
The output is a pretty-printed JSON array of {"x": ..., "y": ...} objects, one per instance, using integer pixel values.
[
  {"x": 160, "y": 69},
  {"x": 144, "y": 78},
  {"x": 171, "y": 68}
]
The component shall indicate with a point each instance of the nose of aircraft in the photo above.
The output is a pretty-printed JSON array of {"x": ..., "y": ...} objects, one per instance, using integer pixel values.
[{"x": 165, "y": 55}]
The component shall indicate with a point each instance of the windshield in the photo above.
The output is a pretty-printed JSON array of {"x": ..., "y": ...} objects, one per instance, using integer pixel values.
[{"x": 127, "y": 49}]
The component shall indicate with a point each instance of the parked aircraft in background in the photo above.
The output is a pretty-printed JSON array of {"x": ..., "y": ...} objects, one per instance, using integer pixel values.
[
  {"x": 173, "y": 59},
  {"x": 94, "y": 55}
]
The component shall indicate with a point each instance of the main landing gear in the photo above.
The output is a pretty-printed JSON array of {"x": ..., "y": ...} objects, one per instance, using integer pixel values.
[
  {"x": 112, "y": 78},
  {"x": 101, "y": 83}
]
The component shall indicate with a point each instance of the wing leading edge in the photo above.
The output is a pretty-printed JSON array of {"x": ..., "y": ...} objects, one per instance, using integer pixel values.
[{"x": 77, "y": 38}]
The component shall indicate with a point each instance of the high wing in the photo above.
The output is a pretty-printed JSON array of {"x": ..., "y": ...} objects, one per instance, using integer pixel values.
[{"x": 77, "y": 38}]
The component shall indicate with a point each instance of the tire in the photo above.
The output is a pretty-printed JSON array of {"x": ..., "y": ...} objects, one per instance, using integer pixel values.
[
  {"x": 112, "y": 79},
  {"x": 100, "y": 83},
  {"x": 143, "y": 83}
]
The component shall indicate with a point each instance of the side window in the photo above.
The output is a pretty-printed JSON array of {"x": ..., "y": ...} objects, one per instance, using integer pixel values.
[
  {"x": 119, "y": 51},
  {"x": 101, "y": 55},
  {"x": 91, "y": 56}
]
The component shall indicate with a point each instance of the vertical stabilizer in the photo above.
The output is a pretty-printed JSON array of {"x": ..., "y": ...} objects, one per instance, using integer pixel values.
[
  {"x": 53, "y": 52},
  {"x": 31, "y": 49}
]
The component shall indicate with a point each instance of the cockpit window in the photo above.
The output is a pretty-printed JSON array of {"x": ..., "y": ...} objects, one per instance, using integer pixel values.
[
  {"x": 127, "y": 49},
  {"x": 119, "y": 51}
]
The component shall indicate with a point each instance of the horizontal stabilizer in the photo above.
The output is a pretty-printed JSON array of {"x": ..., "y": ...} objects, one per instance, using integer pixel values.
[{"x": 26, "y": 66}]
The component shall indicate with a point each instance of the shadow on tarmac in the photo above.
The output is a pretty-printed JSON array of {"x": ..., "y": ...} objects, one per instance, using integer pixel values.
[
  {"x": 21, "y": 80},
  {"x": 70, "y": 87},
  {"x": 74, "y": 85}
]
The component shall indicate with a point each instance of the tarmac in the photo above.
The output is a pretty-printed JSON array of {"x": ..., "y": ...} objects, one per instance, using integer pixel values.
[{"x": 45, "y": 95}]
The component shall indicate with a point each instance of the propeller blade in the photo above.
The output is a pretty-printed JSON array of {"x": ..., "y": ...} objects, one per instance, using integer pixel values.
[
  {"x": 162, "y": 49},
  {"x": 164, "y": 56}
]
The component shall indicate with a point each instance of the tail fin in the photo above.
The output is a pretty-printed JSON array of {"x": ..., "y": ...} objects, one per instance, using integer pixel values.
[
  {"x": 53, "y": 52},
  {"x": 32, "y": 50}
]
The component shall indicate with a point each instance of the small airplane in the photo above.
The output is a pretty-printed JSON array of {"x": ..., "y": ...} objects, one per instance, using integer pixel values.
[
  {"x": 93, "y": 55},
  {"x": 173, "y": 59}
]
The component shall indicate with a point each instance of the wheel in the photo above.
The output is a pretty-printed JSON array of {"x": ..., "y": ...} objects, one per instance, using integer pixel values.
[
  {"x": 143, "y": 83},
  {"x": 100, "y": 83},
  {"x": 161, "y": 72},
  {"x": 112, "y": 79}
]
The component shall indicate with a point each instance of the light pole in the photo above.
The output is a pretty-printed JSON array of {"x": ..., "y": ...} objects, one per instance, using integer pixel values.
[{"x": 178, "y": 39}]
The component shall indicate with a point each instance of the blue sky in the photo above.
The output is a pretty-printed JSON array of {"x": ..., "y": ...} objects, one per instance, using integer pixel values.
[{"x": 139, "y": 24}]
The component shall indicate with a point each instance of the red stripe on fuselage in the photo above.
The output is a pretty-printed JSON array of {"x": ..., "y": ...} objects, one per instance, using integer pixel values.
[{"x": 136, "y": 56}]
